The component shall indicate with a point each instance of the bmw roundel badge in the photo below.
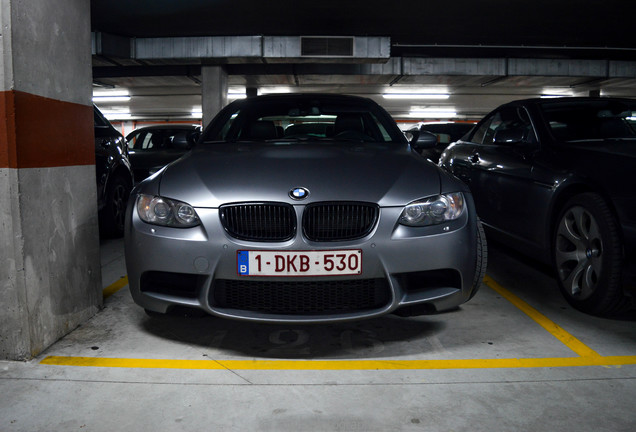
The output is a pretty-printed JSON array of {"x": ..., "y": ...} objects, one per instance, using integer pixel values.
[{"x": 298, "y": 193}]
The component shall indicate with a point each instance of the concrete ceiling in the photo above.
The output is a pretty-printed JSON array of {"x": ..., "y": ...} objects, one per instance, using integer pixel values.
[{"x": 481, "y": 53}]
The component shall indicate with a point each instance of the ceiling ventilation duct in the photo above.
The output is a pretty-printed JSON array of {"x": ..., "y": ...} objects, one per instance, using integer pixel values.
[
  {"x": 312, "y": 46},
  {"x": 326, "y": 49},
  {"x": 248, "y": 49}
]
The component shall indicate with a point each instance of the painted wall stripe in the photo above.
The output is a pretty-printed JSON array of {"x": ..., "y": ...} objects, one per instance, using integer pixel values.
[
  {"x": 38, "y": 132},
  {"x": 555, "y": 330},
  {"x": 7, "y": 129}
]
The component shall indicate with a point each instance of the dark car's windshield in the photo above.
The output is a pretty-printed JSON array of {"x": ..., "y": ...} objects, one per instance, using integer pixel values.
[
  {"x": 579, "y": 121},
  {"x": 291, "y": 119}
]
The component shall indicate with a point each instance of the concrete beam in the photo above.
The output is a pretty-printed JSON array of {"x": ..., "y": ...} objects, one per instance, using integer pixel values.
[
  {"x": 557, "y": 67},
  {"x": 454, "y": 66}
]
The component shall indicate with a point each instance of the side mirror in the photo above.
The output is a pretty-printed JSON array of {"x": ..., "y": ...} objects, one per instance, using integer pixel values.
[
  {"x": 183, "y": 141},
  {"x": 509, "y": 137},
  {"x": 424, "y": 140},
  {"x": 193, "y": 138}
]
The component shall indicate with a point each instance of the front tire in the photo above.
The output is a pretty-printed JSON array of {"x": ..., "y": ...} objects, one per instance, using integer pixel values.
[
  {"x": 113, "y": 215},
  {"x": 588, "y": 256},
  {"x": 482, "y": 259}
]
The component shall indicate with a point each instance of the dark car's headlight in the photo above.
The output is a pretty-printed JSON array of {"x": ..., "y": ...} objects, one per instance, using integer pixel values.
[
  {"x": 166, "y": 212},
  {"x": 434, "y": 210}
]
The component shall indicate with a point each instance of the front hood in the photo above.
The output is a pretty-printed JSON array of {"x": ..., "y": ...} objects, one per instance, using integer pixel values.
[{"x": 216, "y": 174}]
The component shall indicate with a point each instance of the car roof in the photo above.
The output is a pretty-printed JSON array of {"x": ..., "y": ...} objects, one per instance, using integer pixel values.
[
  {"x": 535, "y": 101},
  {"x": 168, "y": 126}
]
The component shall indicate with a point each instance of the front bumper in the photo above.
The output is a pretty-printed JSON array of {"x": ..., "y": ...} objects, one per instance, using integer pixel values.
[{"x": 424, "y": 269}]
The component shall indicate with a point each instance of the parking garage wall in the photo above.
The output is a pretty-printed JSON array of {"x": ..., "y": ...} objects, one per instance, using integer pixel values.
[{"x": 50, "y": 280}]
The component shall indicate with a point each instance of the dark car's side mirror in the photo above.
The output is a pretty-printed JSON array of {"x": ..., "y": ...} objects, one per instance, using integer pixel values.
[
  {"x": 193, "y": 138},
  {"x": 509, "y": 137},
  {"x": 183, "y": 141},
  {"x": 424, "y": 140}
]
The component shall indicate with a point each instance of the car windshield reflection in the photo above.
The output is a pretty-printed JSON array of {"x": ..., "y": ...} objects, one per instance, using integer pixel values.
[{"x": 303, "y": 119}]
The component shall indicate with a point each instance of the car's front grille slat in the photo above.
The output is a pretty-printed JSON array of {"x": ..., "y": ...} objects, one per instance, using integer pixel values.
[
  {"x": 339, "y": 221},
  {"x": 259, "y": 222}
]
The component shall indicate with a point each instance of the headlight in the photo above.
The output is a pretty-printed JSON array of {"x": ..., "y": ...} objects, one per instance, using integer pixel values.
[
  {"x": 433, "y": 210},
  {"x": 166, "y": 212}
]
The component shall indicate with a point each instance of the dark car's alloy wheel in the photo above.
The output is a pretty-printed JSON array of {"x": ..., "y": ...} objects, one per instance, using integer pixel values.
[
  {"x": 587, "y": 255},
  {"x": 114, "y": 214}
]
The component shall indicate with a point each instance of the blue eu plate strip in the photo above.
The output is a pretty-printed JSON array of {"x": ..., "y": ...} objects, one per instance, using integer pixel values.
[{"x": 243, "y": 262}]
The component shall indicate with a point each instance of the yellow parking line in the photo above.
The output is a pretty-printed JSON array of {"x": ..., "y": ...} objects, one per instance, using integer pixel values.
[
  {"x": 114, "y": 287},
  {"x": 339, "y": 364},
  {"x": 554, "y": 329},
  {"x": 586, "y": 356}
]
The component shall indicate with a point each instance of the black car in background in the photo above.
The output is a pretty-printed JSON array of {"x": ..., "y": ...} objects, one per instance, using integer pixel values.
[
  {"x": 445, "y": 132},
  {"x": 153, "y": 147},
  {"x": 554, "y": 178},
  {"x": 114, "y": 176}
]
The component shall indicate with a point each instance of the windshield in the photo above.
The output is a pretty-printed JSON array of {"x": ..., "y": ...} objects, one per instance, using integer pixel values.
[
  {"x": 290, "y": 119},
  {"x": 579, "y": 121}
]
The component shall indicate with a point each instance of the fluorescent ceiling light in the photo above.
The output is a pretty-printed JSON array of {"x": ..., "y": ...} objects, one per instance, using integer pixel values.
[
  {"x": 236, "y": 95},
  {"x": 197, "y": 113},
  {"x": 416, "y": 95},
  {"x": 434, "y": 112},
  {"x": 117, "y": 115},
  {"x": 271, "y": 90},
  {"x": 548, "y": 93},
  {"x": 111, "y": 99},
  {"x": 111, "y": 93}
]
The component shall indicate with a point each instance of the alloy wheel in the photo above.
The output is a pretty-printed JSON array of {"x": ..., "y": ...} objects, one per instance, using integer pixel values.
[
  {"x": 579, "y": 252},
  {"x": 120, "y": 198}
]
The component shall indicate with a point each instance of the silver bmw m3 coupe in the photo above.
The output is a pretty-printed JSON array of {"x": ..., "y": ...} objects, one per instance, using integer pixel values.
[{"x": 303, "y": 208}]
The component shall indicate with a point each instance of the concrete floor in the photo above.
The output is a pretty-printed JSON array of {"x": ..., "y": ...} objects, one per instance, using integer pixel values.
[{"x": 516, "y": 357}]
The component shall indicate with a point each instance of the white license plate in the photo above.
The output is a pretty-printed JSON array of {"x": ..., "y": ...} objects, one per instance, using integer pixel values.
[{"x": 299, "y": 263}]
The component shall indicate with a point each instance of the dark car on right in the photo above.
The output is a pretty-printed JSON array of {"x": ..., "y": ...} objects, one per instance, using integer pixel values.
[{"x": 555, "y": 179}]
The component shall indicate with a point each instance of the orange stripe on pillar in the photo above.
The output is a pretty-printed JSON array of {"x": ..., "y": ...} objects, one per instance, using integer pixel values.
[
  {"x": 7, "y": 129},
  {"x": 38, "y": 132}
]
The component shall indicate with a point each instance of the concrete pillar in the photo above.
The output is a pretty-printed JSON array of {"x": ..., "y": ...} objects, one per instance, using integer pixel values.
[
  {"x": 251, "y": 92},
  {"x": 50, "y": 277},
  {"x": 214, "y": 91}
]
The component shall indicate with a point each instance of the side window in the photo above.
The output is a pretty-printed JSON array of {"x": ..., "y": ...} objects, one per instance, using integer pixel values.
[
  {"x": 222, "y": 135},
  {"x": 156, "y": 140},
  {"x": 507, "y": 119},
  {"x": 142, "y": 141},
  {"x": 481, "y": 131},
  {"x": 516, "y": 119},
  {"x": 526, "y": 124},
  {"x": 132, "y": 142},
  {"x": 99, "y": 120},
  {"x": 494, "y": 125},
  {"x": 386, "y": 137}
]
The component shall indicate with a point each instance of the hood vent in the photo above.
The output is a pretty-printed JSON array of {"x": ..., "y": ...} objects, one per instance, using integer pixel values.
[{"x": 311, "y": 46}]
